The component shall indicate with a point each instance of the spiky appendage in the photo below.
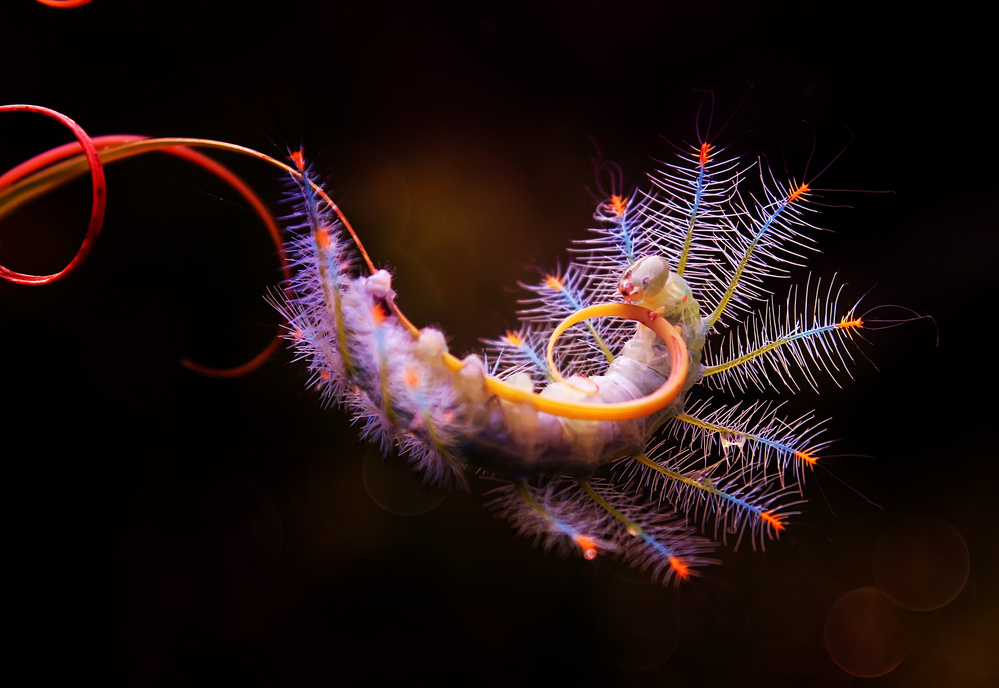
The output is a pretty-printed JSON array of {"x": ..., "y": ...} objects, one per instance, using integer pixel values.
[
  {"x": 592, "y": 518},
  {"x": 694, "y": 249},
  {"x": 724, "y": 501},
  {"x": 359, "y": 354},
  {"x": 783, "y": 344},
  {"x": 315, "y": 318},
  {"x": 686, "y": 217},
  {"x": 735, "y": 470}
]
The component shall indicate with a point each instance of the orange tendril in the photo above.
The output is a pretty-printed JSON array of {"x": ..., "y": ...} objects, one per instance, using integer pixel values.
[{"x": 628, "y": 410}]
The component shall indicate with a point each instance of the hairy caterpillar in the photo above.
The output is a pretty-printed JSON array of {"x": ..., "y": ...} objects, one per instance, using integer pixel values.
[{"x": 625, "y": 456}]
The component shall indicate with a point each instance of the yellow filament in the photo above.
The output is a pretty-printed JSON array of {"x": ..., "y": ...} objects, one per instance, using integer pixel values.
[{"x": 626, "y": 410}]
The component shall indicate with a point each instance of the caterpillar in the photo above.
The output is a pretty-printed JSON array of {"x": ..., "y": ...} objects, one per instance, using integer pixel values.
[{"x": 606, "y": 417}]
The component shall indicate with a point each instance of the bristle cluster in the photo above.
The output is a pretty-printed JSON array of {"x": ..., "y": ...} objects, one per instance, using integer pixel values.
[
  {"x": 576, "y": 517},
  {"x": 735, "y": 470},
  {"x": 360, "y": 355},
  {"x": 775, "y": 349},
  {"x": 727, "y": 501},
  {"x": 637, "y": 490}
]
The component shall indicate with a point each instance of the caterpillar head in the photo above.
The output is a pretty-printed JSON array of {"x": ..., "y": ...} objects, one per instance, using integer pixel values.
[{"x": 643, "y": 281}]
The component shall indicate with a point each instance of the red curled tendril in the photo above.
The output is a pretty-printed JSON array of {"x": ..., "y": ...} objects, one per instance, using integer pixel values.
[
  {"x": 64, "y": 3},
  {"x": 97, "y": 204},
  {"x": 90, "y": 148}
]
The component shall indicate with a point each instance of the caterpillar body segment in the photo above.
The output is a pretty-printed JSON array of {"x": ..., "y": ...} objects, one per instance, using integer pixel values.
[{"x": 402, "y": 390}]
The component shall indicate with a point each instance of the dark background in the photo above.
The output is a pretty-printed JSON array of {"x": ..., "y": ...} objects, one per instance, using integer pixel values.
[{"x": 167, "y": 529}]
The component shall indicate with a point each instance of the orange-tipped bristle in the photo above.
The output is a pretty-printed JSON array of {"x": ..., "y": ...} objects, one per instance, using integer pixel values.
[
  {"x": 588, "y": 545},
  {"x": 772, "y": 520},
  {"x": 797, "y": 192},
  {"x": 412, "y": 377},
  {"x": 704, "y": 155},
  {"x": 806, "y": 457},
  {"x": 512, "y": 338},
  {"x": 323, "y": 238},
  {"x": 681, "y": 569}
]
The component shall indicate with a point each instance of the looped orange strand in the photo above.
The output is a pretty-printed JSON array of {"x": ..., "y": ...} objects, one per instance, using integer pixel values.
[
  {"x": 642, "y": 406},
  {"x": 626, "y": 410}
]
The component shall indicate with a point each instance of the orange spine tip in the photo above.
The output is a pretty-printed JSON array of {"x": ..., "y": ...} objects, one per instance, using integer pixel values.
[
  {"x": 681, "y": 569},
  {"x": 797, "y": 192},
  {"x": 553, "y": 282},
  {"x": 806, "y": 457},
  {"x": 323, "y": 238},
  {"x": 618, "y": 205},
  {"x": 378, "y": 314},
  {"x": 512, "y": 338},
  {"x": 772, "y": 520},
  {"x": 298, "y": 157},
  {"x": 704, "y": 155},
  {"x": 851, "y": 324},
  {"x": 412, "y": 377},
  {"x": 588, "y": 545}
]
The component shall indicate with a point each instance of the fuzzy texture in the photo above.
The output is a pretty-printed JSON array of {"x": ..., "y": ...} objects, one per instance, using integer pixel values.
[{"x": 639, "y": 489}]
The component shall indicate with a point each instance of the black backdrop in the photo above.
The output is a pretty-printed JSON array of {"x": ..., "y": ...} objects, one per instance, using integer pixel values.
[{"x": 167, "y": 529}]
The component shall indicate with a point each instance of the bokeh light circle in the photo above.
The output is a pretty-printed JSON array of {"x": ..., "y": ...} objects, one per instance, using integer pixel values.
[
  {"x": 864, "y": 635},
  {"x": 642, "y": 627},
  {"x": 394, "y": 487},
  {"x": 922, "y": 563}
]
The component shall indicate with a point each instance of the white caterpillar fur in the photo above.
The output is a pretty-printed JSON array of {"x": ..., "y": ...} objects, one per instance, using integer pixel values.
[{"x": 725, "y": 469}]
